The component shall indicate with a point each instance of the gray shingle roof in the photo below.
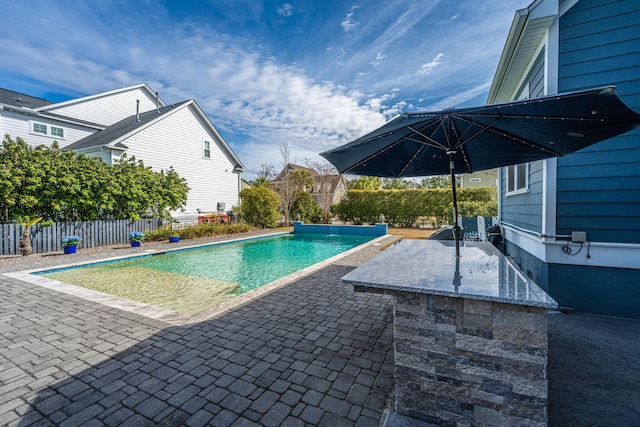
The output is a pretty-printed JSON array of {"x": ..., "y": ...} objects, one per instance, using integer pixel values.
[
  {"x": 120, "y": 129},
  {"x": 17, "y": 99}
]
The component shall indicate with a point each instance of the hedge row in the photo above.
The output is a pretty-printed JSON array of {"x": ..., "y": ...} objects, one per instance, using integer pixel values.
[{"x": 406, "y": 208}]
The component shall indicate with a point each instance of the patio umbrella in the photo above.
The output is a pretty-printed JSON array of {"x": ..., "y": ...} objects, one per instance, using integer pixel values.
[{"x": 472, "y": 139}]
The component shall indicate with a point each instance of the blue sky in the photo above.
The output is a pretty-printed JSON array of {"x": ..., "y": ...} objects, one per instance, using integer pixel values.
[{"x": 313, "y": 74}]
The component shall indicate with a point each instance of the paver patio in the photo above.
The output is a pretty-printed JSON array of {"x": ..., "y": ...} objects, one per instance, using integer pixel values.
[{"x": 310, "y": 353}]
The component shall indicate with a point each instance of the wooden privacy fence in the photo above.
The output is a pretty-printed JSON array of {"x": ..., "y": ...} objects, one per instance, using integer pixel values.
[{"x": 92, "y": 233}]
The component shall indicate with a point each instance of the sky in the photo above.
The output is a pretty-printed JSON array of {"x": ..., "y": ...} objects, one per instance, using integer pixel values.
[{"x": 313, "y": 74}]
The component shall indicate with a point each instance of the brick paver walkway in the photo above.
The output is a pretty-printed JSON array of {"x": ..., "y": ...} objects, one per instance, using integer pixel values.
[{"x": 310, "y": 353}]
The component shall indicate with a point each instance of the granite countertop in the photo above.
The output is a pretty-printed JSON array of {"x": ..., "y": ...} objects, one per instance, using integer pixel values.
[{"x": 431, "y": 267}]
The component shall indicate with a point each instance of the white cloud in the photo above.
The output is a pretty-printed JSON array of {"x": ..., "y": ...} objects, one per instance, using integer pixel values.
[
  {"x": 286, "y": 10},
  {"x": 348, "y": 24},
  {"x": 255, "y": 100},
  {"x": 429, "y": 66}
]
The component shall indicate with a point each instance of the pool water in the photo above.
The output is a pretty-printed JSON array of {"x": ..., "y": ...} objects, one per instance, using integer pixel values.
[{"x": 189, "y": 281}]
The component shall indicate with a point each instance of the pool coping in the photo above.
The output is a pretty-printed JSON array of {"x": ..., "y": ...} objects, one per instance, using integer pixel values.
[{"x": 164, "y": 314}]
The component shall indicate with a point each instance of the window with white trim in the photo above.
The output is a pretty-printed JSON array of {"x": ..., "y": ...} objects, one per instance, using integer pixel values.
[
  {"x": 39, "y": 128},
  {"x": 206, "y": 149},
  {"x": 517, "y": 179},
  {"x": 57, "y": 132}
]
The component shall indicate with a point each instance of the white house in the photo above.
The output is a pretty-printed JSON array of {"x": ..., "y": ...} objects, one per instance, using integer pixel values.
[{"x": 135, "y": 121}]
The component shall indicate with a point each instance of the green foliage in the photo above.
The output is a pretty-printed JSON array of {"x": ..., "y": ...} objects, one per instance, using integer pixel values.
[
  {"x": 442, "y": 181},
  {"x": 197, "y": 231},
  {"x": 261, "y": 182},
  {"x": 259, "y": 207},
  {"x": 62, "y": 185},
  {"x": 406, "y": 207},
  {"x": 365, "y": 183},
  {"x": 306, "y": 208},
  {"x": 397, "y": 184}
]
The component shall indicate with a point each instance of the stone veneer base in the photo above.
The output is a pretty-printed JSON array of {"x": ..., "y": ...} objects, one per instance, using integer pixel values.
[{"x": 465, "y": 362}]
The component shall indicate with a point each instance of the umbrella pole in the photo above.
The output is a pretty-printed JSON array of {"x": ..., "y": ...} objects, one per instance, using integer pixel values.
[{"x": 456, "y": 227}]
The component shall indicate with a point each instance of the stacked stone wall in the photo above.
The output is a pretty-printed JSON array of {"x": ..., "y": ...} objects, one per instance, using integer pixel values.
[{"x": 464, "y": 362}]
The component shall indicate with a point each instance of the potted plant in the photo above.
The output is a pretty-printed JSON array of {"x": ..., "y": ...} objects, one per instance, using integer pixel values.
[
  {"x": 174, "y": 237},
  {"x": 136, "y": 237},
  {"x": 70, "y": 244}
]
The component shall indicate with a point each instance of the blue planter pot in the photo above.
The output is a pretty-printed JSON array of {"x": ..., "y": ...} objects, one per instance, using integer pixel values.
[
  {"x": 71, "y": 249},
  {"x": 135, "y": 244},
  {"x": 174, "y": 239}
]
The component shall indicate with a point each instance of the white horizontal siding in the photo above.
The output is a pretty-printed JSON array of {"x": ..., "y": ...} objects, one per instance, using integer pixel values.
[
  {"x": 176, "y": 141},
  {"x": 108, "y": 109},
  {"x": 18, "y": 125}
]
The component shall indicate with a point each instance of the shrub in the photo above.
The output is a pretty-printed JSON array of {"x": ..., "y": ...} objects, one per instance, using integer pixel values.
[
  {"x": 259, "y": 207},
  {"x": 307, "y": 208},
  {"x": 409, "y": 207},
  {"x": 197, "y": 231}
]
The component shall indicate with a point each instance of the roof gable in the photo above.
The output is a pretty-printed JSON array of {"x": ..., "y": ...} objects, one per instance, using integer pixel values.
[
  {"x": 107, "y": 108},
  {"x": 118, "y": 131},
  {"x": 115, "y": 136}
]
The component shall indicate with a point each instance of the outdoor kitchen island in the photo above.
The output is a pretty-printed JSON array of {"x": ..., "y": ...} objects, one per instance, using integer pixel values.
[{"x": 470, "y": 333}]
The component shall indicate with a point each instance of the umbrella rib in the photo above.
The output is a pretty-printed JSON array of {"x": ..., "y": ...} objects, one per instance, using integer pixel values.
[
  {"x": 507, "y": 135},
  {"x": 483, "y": 129},
  {"x": 364, "y": 161},
  {"x": 434, "y": 143},
  {"x": 460, "y": 144}
]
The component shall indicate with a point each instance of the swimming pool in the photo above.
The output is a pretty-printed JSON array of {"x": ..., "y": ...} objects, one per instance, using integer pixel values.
[{"x": 190, "y": 280}]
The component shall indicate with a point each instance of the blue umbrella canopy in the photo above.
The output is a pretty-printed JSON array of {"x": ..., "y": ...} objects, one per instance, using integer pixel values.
[
  {"x": 480, "y": 138},
  {"x": 472, "y": 139}
]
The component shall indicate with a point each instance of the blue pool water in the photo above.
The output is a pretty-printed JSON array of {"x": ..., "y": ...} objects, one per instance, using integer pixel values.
[{"x": 190, "y": 280}]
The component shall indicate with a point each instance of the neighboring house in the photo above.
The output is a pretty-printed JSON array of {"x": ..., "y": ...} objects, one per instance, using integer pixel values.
[
  {"x": 327, "y": 189},
  {"x": 133, "y": 120},
  {"x": 488, "y": 178},
  {"x": 557, "y": 46},
  {"x": 244, "y": 184}
]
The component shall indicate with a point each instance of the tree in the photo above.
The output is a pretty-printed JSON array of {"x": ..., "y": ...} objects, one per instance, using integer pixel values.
[
  {"x": 289, "y": 187},
  {"x": 365, "y": 183},
  {"x": 259, "y": 207},
  {"x": 266, "y": 171},
  {"x": 441, "y": 181},
  {"x": 261, "y": 182},
  {"x": 397, "y": 184},
  {"x": 62, "y": 185},
  {"x": 325, "y": 180}
]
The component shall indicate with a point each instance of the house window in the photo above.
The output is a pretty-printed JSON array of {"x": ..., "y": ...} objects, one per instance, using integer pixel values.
[
  {"x": 46, "y": 130},
  {"x": 206, "y": 149},
  {"x": 40, "y": 128},
  {"x": 517, "y": 179},
  {"x": 56, "y": 131}
]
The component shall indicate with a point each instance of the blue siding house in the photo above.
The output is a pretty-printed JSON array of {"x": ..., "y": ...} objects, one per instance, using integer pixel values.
[{"x": 557, "y": 46}]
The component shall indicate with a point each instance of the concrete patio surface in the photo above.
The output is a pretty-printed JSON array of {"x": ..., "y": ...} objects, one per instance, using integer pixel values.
[{"x": 312, "y": 352}]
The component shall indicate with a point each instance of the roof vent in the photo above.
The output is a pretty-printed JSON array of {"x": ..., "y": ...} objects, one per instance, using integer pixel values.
[
  {"x": 157, "y": 106},
  {"x": 137, "y": 111}
]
